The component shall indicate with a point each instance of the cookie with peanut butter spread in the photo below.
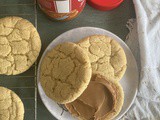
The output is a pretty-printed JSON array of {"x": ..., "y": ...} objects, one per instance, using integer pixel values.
[
  {"x": 102, "y": 100},
  {"x": 65, "y": 72},
  {"x": 20, "y": 45},
  {"x": 11, "y": 106},
  {"x": 107, "y": 57}
]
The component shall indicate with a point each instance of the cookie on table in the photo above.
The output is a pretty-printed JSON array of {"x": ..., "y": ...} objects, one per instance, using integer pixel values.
[
  {"x": 65, "y": 72},
  {"x": 20, "y": 45},
  {"x": 106, "y": 55},
  {"x": 102, "y": 100},
  {"x": 11, "y": 106}
]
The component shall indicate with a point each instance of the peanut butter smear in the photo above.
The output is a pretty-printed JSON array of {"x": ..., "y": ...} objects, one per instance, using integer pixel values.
[{"x": 97, "y": 102}]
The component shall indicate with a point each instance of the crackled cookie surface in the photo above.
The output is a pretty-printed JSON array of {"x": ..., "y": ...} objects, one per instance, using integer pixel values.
[
  {"x": 106, "y": 56},
  {"x": 102, "y": 100},
  {"x": 20, "y": 45},
  {"x": 65, "y": 72},
  {"x": 11, "y": 106}
]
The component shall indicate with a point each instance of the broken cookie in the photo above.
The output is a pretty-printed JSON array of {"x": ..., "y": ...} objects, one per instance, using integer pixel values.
[{"x": 102, "y": 100}]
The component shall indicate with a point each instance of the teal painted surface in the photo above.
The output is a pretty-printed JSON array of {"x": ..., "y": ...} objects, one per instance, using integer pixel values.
[
  {"x": 114, "y": 21},
  {"x": 12, "y": 2}
]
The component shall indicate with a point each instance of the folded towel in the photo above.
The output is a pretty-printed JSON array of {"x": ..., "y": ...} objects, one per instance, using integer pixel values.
[{"x": 145, "y": 33}]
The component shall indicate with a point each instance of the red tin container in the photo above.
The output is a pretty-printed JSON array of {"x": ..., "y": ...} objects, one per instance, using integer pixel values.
[
  {"x": 62, "y": 10},
  {"x": 104, "y": 5}
]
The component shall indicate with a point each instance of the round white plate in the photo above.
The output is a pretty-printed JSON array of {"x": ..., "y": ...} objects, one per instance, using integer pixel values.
[{"x": 129, "y": 82}]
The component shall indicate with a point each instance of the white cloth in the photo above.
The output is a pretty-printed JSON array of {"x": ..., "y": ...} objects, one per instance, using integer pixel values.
[{"x": 147, "y": 103}]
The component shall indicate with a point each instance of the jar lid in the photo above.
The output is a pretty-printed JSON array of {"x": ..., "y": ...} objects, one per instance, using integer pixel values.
[{"x": 104, "y": 5}]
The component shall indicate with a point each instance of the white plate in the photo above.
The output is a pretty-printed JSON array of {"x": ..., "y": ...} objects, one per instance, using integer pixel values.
[{"x": 129, "y": 82}]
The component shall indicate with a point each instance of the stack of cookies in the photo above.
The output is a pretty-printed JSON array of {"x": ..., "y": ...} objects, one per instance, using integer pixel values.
[
  {"x": 85, "y": 77},
  {"x": 20, "y": 45}
]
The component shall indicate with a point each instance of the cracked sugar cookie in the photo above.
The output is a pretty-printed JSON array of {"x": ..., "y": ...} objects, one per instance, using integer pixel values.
[
  {"x": 102, "y": 100},
  {"x": 65, "y": 72},
  {"x": 20, "y": 45},
  {"x": 11, "y": 106},
  {"x": 107, "y": 57}
]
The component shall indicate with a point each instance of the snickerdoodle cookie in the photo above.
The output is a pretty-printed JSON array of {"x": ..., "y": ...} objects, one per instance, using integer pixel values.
[
  {"x": 107, "y": 57},
  {"x": 11, "y": 106},
  {"x": 20, "y": 45},
  {"x": 65, "y": 72}
]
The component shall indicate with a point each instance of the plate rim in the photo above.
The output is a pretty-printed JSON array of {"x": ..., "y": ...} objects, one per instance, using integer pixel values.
[{"x": 45, "y": 51}]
